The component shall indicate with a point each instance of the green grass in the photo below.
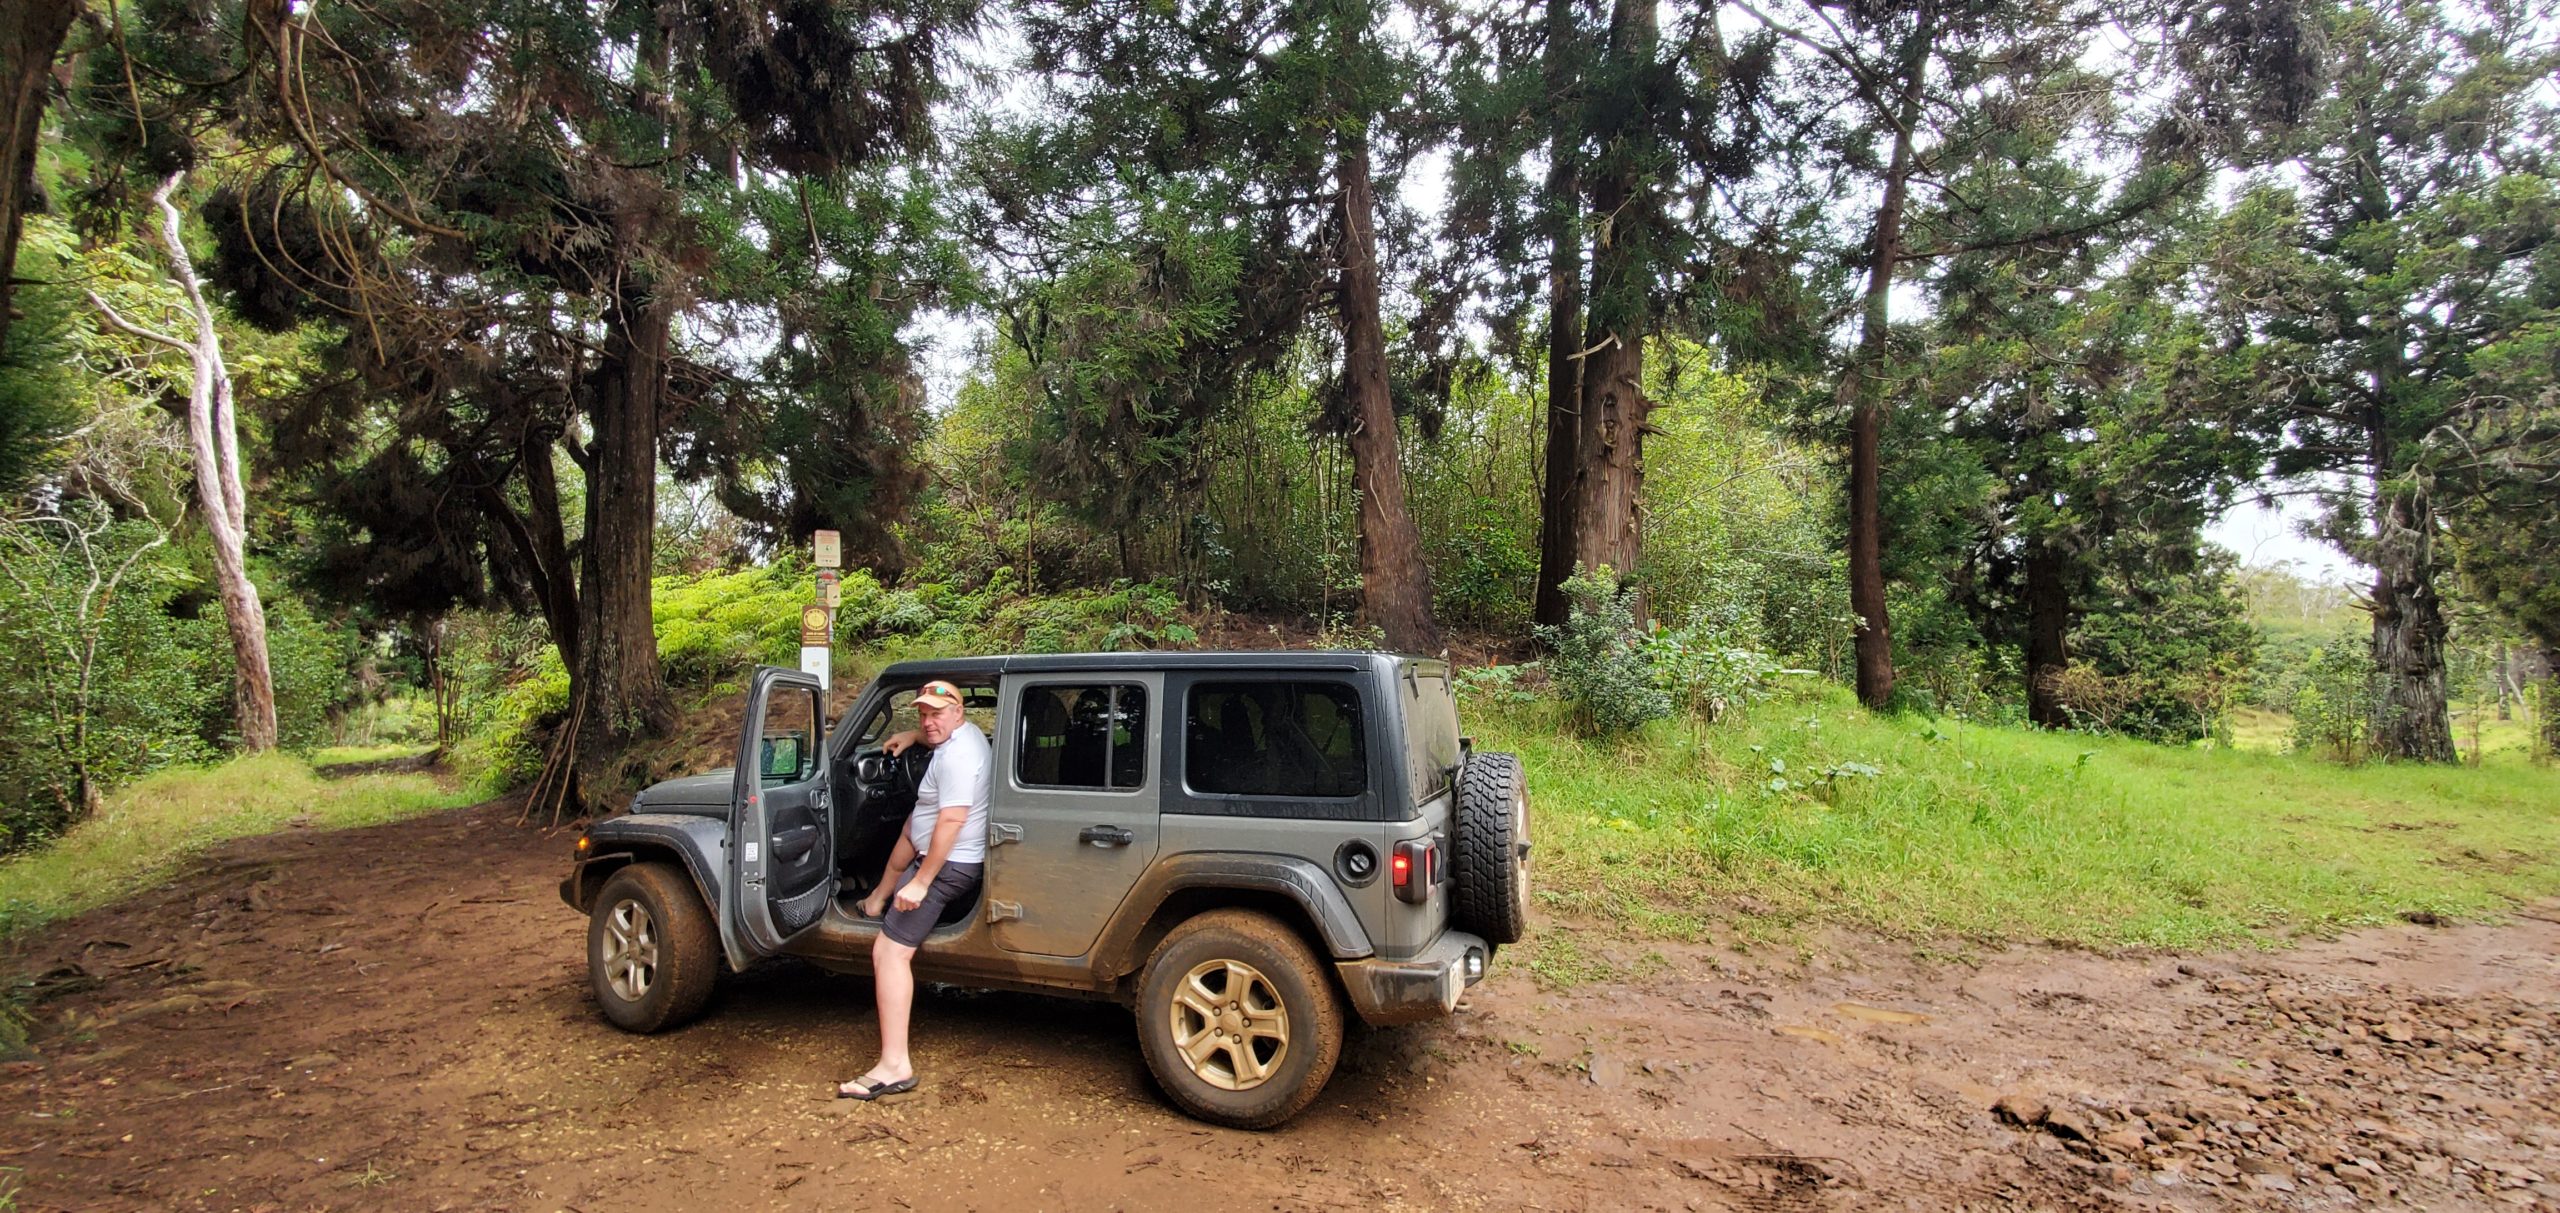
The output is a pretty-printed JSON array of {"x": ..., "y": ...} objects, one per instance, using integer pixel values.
[
  {"x": 147, "y": 829},
  {"x": 343, "y": 755},
  {"x": 1986, "y": 833}
]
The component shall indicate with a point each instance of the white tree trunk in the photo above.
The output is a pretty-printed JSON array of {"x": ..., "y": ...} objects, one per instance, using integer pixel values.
[{"x": 213, "y": 433}]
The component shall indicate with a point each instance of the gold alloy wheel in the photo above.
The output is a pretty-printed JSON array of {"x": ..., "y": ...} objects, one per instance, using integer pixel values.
[
  {"x": 630, "y": 950},
  {"x": 1229, "y": 1025}
]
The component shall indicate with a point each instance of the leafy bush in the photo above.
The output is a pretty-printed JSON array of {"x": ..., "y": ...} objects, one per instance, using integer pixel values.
[
  {"x": 1488, "y": 577},
  {"x": 2173, "y": 648},
  {"x": 713, "y": 627},
  {"x": 1709, "y": 666},
  {"x": 1496, "y": 683},
  {"x": 1600, "y": 662},
  {"x": 1129, "y": 615},
  {"x": 308, "y": 660},
  {"x": 2334, "y": 699},
  {"x": 504, "y": 751},
  {"x": 146, "y": 688}
]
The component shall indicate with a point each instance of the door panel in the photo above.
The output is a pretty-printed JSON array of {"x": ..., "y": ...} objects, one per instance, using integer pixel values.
[
  {"x": 1074, "y": 806},
  {"x": 783, "y": 866}
]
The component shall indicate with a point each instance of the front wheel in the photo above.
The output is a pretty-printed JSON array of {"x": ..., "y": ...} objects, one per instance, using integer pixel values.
[
  {"x": 1238, "y": 1019},
  {"x": 652, "y": 951}
]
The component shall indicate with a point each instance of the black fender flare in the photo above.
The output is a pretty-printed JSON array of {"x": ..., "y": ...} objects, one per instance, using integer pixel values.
[
  {"x": 1308, "y": 887},
  {"x": 695, "y": 842}
]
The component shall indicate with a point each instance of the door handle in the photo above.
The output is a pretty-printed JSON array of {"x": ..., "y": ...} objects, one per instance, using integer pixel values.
[{"x": 1107, "y": 836}]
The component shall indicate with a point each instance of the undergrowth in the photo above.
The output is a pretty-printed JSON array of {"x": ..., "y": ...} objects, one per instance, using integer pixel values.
[
  {"x": 1807, "y": 809},
  {"x": 147, "y": 829}
]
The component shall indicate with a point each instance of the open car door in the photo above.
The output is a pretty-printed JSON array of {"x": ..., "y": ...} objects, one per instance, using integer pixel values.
[{"x": 782, "y": 866}]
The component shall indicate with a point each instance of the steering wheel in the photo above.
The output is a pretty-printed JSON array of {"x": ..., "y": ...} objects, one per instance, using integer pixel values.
[{"x": 881, "y": 771}]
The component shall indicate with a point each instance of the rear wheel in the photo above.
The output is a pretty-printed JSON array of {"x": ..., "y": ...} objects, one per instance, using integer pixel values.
[
  {"x": 1489, "y": 867},
  {"x": 1238, "y": 1019},
  {"x": 652, "y": 951}
]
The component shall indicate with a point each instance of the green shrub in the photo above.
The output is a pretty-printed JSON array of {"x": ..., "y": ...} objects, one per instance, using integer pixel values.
[
  {"x": 1709, "y": 665},
  {"x": 2334, "y": 699},
  {"x": 1488, "y": 577},
  {"x": 714, "y": 626},
  {"x": 504, "y": 750},
  {"x": 308, "y": 660},
  {"x": 147, "y": 689},
  {"x": 1600, "y": 663},
  {"x": 1130, "y": 615}
]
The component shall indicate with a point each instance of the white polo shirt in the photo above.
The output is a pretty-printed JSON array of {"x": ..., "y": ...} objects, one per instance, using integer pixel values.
[{"x": 962, "y": 772}]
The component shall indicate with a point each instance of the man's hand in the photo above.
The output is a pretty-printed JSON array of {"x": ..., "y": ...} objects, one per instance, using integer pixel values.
[
  {"x": 913, "y": 895},
  {"x": 896, "y": 743},
  {"x": 874, "y": 905}
]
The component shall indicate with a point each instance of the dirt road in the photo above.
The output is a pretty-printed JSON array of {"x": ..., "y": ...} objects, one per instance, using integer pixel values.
[{"x": 396, "y": 1018}]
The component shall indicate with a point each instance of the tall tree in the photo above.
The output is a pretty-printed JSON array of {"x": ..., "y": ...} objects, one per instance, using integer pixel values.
[
  {"x": 213, "y": 436},
  {"x": 31, "y": 34},
  {"x": 1933, "y": 86},
  {"x": 1264, "y": 129},
  {"x": 536, "y": 224},
  {"x": 2392, "y": 287},
  {"x": 1599, "y": 170}
]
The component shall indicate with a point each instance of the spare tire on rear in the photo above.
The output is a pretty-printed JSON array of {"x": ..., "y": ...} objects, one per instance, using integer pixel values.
[{"x": 1489, "y": 866}]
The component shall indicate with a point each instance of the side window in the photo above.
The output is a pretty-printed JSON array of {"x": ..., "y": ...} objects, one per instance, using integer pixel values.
[
  {"x": 1083, "y": 737},
  {"x": 1301, "y": 739},
  {"x": 898, "y": 712},
  {"x": 787, "y": 747}
]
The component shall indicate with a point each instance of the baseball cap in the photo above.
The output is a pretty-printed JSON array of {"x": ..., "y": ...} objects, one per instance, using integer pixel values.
[{"x": 938, "y": 694}]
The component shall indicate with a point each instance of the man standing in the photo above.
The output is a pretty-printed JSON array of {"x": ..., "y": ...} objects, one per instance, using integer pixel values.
[{"x": 941, "y": 856}]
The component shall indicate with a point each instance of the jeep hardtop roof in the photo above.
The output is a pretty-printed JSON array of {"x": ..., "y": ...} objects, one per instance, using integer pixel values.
[{"x": 1150, "y": 659}]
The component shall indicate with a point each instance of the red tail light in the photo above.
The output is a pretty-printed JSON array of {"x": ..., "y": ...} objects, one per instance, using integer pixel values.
[{"x": 1413, "y": 869}]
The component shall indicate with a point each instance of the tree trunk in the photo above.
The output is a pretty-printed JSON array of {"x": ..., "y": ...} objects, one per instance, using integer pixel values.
[
  {"x": 1564, "y": 326},
  {"x": 2504, "y": 674},
  {"x": 213, "y": 436},
  {"x": 2048, "y": 634},
  {"x": 1859, "y": 399},
  {"x": 2411, "y": 720},
  {"x": 30, "y": 35},
  {"x": 618, "y": 699},
  {"x": 1395, "y": 584},
  {"x": 1608, "y": 481},
  {"x": 2547, "y": 711}
]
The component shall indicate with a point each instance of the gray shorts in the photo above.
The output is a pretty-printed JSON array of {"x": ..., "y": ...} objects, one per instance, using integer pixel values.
[{"x": 909, "y": 927}]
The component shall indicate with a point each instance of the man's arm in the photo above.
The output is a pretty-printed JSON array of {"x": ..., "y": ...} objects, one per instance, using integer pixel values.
[
  {"x": 899, "y": 857},
  {"x": 946, "y": 834}
]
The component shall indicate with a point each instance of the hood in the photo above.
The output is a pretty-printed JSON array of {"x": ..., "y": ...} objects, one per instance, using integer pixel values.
[{"x": 708, "y": 792}]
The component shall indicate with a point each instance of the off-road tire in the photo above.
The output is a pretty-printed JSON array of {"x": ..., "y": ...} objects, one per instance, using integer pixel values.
[
  {"x": 1489, "y": 860},
  {"x": 687, "y": 948},
  {"x": 1305, "y": 992}
]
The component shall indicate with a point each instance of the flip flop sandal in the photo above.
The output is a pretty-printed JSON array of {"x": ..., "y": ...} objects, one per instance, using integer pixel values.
[{"x": 867, "y": 1093}]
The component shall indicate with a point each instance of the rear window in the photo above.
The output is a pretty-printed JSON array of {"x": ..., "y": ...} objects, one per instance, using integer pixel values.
[
  {"x": 1430, "y": 732},
  {"x": 1275, "y": 738}
]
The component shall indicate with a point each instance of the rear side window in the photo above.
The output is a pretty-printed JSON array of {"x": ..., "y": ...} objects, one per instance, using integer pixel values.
[
  {"x": 1277, "y": 738},
  {"x": 1083, "y": 737}
]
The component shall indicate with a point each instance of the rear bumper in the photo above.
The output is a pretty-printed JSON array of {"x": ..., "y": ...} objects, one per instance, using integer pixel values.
[{"x": 1427, "y": 986}]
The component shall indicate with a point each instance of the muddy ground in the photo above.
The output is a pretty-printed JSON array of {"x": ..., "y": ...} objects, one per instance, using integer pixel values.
[{"x": 396, "y": 1018}]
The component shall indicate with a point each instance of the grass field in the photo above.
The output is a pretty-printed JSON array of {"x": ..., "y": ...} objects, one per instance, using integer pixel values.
[
  {"x": 1808, "y": 810},
  {"x": 146, "y": 829}
]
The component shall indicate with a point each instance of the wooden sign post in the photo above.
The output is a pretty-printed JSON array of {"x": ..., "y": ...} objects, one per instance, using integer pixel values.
[
  {"x": 816, "y": 636},
  {"x": 818, "y": 619}
]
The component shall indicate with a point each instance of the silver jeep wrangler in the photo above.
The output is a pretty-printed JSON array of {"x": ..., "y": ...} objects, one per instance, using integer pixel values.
[{"x": 1235, "y": 845}]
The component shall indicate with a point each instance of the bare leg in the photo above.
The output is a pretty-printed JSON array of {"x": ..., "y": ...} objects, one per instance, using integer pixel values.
[{"x": 893, "y": 977}]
